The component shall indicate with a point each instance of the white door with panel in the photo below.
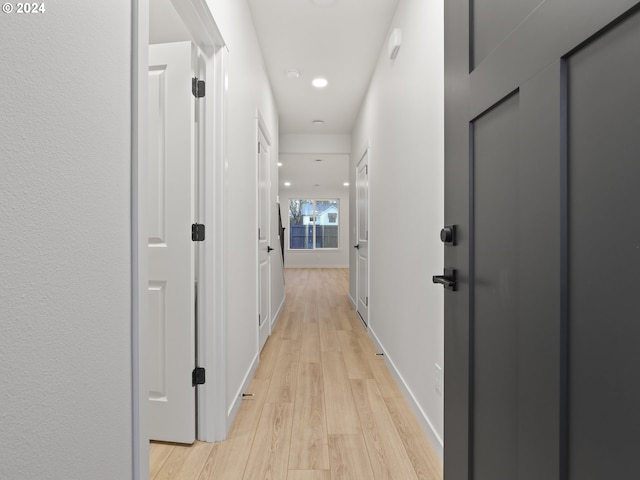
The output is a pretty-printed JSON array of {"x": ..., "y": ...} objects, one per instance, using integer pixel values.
[
  {"x": 171, "y": 252},
  {"x": 264, "y": 236},
  {"x": 362, "y": 247}
]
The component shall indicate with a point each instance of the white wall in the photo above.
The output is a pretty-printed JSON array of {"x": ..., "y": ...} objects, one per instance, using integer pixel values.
[
  {"x": 65, "y": 265},
  {"x": 248, "y": 92},
  {"x": 402, "y": 118}
]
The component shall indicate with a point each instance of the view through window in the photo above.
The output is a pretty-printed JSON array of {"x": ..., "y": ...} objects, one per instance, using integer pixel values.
[{"x": 313, "y": 224}]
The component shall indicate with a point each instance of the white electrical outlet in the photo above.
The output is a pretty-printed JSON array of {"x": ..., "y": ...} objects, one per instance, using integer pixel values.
[{"x": 437, "y": 378}]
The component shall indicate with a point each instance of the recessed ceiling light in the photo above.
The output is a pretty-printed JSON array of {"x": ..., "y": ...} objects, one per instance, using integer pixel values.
[
  {"x": 346, "y": 184},
  {"x": 293, "y": 73},
  {"x": 279, "y": 164},
  {"x": 319, "y": 82},
  {"x": 324, "y": 3},
  {"x": 287, "y": 184},
  {"x": 318, "y": 123}
]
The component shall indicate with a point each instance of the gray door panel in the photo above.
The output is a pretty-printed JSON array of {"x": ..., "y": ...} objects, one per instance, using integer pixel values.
[
  {"x": 539, "y": 308},
  {"x": 496, "y": 283},
  {"x": 604, "y": 256}
]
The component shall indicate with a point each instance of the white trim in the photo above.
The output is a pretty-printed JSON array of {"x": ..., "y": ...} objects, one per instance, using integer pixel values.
[
  {"x": 139, "y": 275},
  {"x": 345, "y": 267},
  {"x": 353, "y": 302},
  {"x": 216, "y": 194},
  {"x": 235, "y": 405},
  {"x": 365, "y": 146},
  {"x": 261, "y": 128},
  {"x": 315, "y": 250},
  {"x": 198, "y": 19},
  {"x": 212, "y": 345},
  {"x": 366, "y": 152},
  {"x": 211, "y": 335},
  {"x": 212, "y": 421},
  {"x": 262, "y": 125},
  {"x": 276, "y": 317},
  {"x": 435, "y": 439}
]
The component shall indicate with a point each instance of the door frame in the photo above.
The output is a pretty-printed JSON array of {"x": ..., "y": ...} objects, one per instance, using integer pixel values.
[
  {"x": 261, "y": 129},
  {"x": 366, "y": 152},
  {"x": 211, "y": 333}
]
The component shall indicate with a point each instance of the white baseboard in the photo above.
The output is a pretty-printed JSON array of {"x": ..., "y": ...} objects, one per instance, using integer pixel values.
[
  {"x": 353, "y": 302},
  {"x": 425, "y": 423},
  {"x": 237, "y": 399},
  {"x": 317, "y": 266},
  {"x": 276, "y": 317}
]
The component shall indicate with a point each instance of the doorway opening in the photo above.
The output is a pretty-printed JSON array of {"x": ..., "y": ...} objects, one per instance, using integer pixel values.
[
  {"x": 362, "y": 237},
  {"x": 189, "y": 31}
]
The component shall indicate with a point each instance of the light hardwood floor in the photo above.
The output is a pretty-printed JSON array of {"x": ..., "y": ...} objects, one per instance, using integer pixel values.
[{"x": 325, "y": 406}]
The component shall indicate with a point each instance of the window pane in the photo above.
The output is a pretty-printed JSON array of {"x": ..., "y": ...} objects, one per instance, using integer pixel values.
[
  {"x": 300, "y": 226},
  {"x": 309, "y": 216},
  {"x": 327, "y": 223},
  {"x": 326, "y": 236}
]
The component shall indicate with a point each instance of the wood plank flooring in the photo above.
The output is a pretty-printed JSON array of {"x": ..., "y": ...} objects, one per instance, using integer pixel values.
[{"x": 325, "y": 406}]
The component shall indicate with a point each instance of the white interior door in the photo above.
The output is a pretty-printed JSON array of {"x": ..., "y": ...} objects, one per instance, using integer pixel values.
[
  {"x": 170, "y": 214},
  {"x": 264, "y": 235},
  {"x": 362, "y": 247}
]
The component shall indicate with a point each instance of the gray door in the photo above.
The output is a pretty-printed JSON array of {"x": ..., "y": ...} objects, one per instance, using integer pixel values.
[{"x": 542, "y": 172}]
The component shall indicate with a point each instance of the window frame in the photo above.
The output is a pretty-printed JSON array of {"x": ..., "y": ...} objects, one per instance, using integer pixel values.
[{"x": 315, "y": 216}]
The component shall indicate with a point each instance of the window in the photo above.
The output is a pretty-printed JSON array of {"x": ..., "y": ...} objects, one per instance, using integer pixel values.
[{"x": 313, "y": 224}]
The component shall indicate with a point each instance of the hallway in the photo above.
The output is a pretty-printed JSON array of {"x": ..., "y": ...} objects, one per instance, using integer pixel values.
[{"x": 325, "y": 406}]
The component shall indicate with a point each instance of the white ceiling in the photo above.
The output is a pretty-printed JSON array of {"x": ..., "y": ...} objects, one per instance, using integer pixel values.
[{"x": 340, "y": 42}]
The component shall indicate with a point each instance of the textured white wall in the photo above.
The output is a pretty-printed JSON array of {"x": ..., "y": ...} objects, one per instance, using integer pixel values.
[
  {"x": 248, "y": 92},
  {"x": 403, "y": 119},
  {"x": 65, "y": 321}
]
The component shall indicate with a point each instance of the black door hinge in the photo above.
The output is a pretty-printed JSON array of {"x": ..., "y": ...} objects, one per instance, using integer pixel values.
[
  {"x": 197, "y": 87},
  {"x": 197, "y": 376},
  {"x": 197, "y": 232}
]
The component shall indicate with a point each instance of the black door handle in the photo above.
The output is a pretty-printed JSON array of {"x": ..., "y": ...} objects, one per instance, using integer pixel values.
[
  {"x": 357, "y": 246},
  {"x": 269, "y": 249},
  {"x": 448, "y": 280}
]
